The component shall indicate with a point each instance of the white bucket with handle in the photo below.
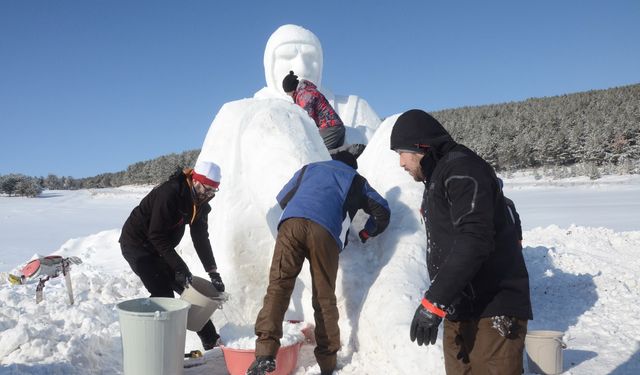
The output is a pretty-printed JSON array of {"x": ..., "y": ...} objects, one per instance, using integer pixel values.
[
  {"x": 204, "y": 299},
  {"x": 544, "y": 352},
  {"x": 153, "y": 335}
]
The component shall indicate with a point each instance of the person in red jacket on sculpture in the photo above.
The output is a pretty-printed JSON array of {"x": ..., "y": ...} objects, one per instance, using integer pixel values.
[{"x": 306, "y": 95}]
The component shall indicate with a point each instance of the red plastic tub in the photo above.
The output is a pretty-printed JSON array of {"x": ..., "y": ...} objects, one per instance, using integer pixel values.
[{"x": 239, "y": 360}]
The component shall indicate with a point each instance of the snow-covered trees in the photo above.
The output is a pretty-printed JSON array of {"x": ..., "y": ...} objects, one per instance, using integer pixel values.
[
  {"x": 18, "y": 184},
  {"x": 594, "y": 128},
  {"x": 151, "y": 171},
  {"x": 587, "y": 133}
]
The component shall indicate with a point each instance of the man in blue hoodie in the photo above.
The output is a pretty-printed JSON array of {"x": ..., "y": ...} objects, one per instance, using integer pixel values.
[{"x": 319, "y": 202}]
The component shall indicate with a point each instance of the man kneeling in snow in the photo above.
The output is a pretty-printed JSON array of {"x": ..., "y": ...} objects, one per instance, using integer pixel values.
[
  {"x": 314, "y": 226},
  {"x": 156, "y": 226}
]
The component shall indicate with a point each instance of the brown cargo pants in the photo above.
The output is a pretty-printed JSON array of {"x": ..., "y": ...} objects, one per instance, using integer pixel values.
[
  {"x": 474, "y": 347},
  {"x": 299, "y": 239}
]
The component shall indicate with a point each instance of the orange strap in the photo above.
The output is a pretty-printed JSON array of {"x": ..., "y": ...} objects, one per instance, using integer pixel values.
[{"x": 433, "y": 308}]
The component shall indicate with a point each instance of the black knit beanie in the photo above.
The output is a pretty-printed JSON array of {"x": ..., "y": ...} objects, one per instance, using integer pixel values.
[
  {"x": 415, "y": 130},
  {"x": 290, "y": 82}
]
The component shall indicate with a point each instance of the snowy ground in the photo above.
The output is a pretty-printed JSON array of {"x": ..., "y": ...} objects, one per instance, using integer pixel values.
[
  {"x": 584, "y": 278},
  {"x": 612, "y": 202}
]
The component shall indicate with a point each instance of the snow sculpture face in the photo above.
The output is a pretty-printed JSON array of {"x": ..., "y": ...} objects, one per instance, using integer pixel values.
[{"x": 295, "y": 48}]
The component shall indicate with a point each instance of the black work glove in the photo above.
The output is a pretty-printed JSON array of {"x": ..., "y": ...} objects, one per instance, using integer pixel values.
[
  {"x": 424, "y": 326},
  {"x": 183, "y": 277},
  {"x": 216, "y": 280},
  {"x": 364, "y": 235}
]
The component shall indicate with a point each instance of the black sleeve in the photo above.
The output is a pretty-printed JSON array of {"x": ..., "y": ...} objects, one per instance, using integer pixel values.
[
  {"x": 363, "y": 196},
  {"x": 200, "y": 236}
]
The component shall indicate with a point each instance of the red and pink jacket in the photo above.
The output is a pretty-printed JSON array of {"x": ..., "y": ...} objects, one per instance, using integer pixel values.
[{"x": 308, "y": 97}]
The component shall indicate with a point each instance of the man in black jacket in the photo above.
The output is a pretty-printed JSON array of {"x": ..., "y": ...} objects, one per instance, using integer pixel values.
[
  {"x": 479, "y": 281},
  {"x": 156, "y": 226}
]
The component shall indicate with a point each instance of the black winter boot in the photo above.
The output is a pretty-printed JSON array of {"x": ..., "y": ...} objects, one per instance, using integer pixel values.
[
  {"x": 262, "y": 365},
  {"x": 208, "y": 336}
]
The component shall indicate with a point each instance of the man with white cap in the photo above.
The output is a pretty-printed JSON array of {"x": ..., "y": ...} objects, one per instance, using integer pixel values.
[{"x": 156, "y": 226}]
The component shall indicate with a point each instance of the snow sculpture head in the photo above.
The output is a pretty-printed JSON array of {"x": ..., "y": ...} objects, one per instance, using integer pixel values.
[{"x": 292, "y": 47}]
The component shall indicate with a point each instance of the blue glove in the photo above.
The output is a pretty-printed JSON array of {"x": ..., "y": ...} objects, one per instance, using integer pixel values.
[{"x": 216, "y": 280}]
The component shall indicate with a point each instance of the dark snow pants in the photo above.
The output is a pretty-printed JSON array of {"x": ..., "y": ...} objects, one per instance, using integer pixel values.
[
  {"x": 159, "y": 279},
  {"x": 475, "y": 347},
  {"x": 333, "y": 136},
  {"x": 299, "y": 239}
]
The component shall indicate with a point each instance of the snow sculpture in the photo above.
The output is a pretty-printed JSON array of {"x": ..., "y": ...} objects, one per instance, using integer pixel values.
[
  {"x": 396, "y": 272},
  {"x": 292, "y": 47},
  {"x": 258, "y": 144}
]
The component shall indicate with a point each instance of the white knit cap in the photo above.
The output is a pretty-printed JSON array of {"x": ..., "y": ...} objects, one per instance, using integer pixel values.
[{"x": 207, "y": 173}]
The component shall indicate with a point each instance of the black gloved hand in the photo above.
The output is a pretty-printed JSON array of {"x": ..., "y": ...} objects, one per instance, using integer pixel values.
[
  {"x": 424, "y": 326},
  {"x": 183, "y": 277},
  {"x": 216, "y": 280},
  {"x": 364, "y": 235}
]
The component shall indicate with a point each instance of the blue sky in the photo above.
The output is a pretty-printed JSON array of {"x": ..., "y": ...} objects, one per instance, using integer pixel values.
[{"x": 88, "y": 87}]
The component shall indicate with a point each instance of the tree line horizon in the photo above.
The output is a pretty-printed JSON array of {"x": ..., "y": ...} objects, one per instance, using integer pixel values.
[{"x": 589, "y": 133}]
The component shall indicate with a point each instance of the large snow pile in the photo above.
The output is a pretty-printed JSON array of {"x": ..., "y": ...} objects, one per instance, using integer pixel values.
[{"x": 584, "y": 280}]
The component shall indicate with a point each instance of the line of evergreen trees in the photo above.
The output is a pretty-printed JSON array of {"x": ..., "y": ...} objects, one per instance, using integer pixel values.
[
  {"x": 593, "y": 129},
  {"x": 569, "y": 135},
  {"x": 145, "y": 172},
  {"x": 151, "y": 171},
  {"x": 19, "y": 184}
]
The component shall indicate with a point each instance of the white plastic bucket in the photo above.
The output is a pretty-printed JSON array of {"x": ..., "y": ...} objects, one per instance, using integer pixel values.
[
  {"x": 544, "y": 352},
  {"x": 204, "y": 299},
  {"x": 153, "y": 334}
]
